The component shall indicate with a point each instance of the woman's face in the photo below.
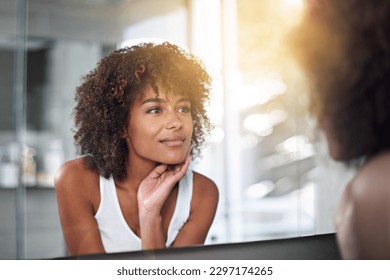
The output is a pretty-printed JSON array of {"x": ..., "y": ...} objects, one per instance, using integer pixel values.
[{"x": 160, "y": 128}]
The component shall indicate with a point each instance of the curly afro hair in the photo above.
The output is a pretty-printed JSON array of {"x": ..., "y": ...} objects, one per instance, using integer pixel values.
[
  {"x": 103, "y": 100},
  {"x": 344, "y": 47}
]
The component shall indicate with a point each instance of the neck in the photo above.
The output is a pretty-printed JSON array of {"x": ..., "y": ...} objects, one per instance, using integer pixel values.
[{"x": 136, "y": 173}]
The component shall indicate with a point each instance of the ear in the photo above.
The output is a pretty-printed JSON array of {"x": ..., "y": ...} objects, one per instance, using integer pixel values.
[{"x": 125, "y": 134}]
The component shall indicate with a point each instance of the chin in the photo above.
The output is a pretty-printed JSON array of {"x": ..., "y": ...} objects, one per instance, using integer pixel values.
[{"x": 172, "y": 160}]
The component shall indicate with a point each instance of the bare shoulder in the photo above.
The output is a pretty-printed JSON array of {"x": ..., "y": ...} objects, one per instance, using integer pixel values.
[
  {"x": 74, "y": 170},
  {"x": 364, "y": 213},
  {"x": 204, "y": 186},
  {"x": 372, "y": 181},
  {"x": 75, "y": 178},
  {"x": 205, "y": 194}
]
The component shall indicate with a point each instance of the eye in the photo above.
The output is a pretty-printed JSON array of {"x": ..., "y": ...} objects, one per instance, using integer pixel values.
[
  {"x": 154, "y": 110},
  {"x": 184, "y": 109}
]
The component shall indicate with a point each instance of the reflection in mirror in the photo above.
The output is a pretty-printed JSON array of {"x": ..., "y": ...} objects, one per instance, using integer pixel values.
[
  {"x": 290, "y": 186},
  {"x": 265, "y": 156}
]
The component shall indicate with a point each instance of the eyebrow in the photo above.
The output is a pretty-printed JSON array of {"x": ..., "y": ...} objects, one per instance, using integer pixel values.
[{"x": 160, "y": 100}]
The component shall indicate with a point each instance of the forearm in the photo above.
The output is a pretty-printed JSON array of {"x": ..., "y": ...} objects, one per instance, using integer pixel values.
[{"x": 152, "y": 236}]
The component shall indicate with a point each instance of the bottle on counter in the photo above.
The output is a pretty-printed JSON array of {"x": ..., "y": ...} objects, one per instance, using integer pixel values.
[
  {"x": 9, "y": 169},
  {"x": 53, "y": 158},
  {"x": 29, "y": 167}
]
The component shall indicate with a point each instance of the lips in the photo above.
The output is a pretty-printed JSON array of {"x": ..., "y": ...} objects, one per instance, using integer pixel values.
[{"x": 173, "y": 141}]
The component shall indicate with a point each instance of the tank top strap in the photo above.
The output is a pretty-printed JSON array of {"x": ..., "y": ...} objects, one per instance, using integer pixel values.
[
  {"x": 183, "y": 206},
  {"x": 104, "y": 187}
]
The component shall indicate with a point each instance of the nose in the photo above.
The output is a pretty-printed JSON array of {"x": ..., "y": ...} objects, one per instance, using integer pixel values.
[{"x": 173, "y": 121}]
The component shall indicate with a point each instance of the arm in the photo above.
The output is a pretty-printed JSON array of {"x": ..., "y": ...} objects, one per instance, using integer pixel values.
[
  {"x": 363, "y": 217},
  {"x": 77, "y": 197}
]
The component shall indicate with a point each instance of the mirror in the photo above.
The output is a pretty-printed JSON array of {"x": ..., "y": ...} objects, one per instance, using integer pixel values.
[{"x": 264, "y": 153}]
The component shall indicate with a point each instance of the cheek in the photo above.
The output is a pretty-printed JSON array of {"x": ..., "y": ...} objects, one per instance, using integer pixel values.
[
  {"x": 136, "y": 133},
  {"x": 141, "y": 133},
  {"x": 190, "y": 129}
]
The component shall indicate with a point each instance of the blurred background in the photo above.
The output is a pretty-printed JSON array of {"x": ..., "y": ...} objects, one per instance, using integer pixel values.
[{"x": 265, "y": 153}]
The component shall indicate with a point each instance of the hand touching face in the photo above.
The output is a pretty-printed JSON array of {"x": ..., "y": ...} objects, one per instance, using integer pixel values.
[{"x": 156, "y": 187}]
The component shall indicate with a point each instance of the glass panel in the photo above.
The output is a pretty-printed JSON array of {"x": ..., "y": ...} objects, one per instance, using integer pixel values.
[
  {"x": 277, "y": 196},
  {"x": 11, "y": 59},
  {"x": 12, "y": 127},
  {"x": 262, "y": 153}
]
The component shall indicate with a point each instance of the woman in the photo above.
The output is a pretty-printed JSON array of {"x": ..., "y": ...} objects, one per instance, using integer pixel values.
[
  {"x": 139, "y": 118},
  {"x": 344, "y": 47}
]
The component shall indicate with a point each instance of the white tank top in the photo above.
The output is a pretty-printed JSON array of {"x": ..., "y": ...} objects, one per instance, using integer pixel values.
[{"x": 117, "y": 236}]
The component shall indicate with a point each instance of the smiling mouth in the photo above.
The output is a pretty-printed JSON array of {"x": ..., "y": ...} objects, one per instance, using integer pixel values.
[{"x": 177, "y": 141}]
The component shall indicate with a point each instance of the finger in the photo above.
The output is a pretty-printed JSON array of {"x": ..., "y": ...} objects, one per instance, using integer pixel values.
[
  {"x": 187, "y": 162},
  {"x": 181, "y": 169},
  {"x": 158, "y": 171}
]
